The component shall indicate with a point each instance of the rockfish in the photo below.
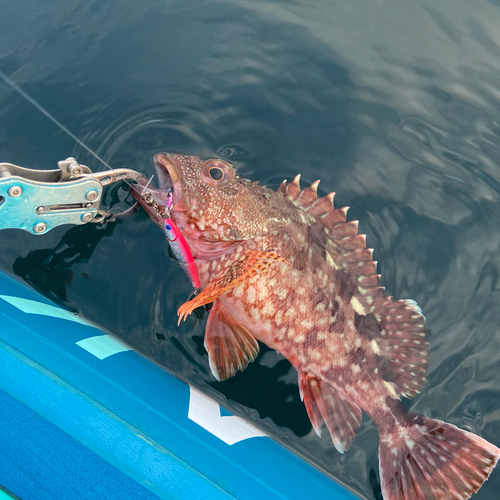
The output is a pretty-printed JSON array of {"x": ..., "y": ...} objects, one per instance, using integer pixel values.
[{"x": 285, "y": 268}]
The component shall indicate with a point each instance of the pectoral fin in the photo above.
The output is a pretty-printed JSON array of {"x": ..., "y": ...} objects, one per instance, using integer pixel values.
[
  {"x": 254, "y": 263},
  {"x": 230, "y": 346}
]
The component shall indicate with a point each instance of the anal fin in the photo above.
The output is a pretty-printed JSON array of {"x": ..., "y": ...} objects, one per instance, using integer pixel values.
[
  {"x": 230, "y": 346},
  {"x": 324, "y": 403}
]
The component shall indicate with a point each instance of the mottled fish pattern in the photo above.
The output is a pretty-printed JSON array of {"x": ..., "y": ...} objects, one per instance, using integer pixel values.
[{"x": 285, "y": 268}]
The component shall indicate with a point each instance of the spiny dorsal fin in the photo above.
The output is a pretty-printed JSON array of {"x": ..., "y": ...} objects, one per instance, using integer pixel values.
[
  {"x": 301, "y": 198},
  {"x": 322, "y": 206},
  {"x": 293, "y": 189},
  {"x": 397, "y": 327},
  {"x": 309, "y": 195},
  {"x": 346, "y": 247}
]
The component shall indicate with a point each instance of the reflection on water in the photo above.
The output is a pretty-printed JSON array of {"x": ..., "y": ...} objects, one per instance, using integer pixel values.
[
  {"x": 49, "y": 270},
  {"x": 394, "y": 105}
]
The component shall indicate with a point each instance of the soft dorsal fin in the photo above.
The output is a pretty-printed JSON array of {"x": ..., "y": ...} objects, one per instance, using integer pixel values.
[{"x": 401, "y": 340}]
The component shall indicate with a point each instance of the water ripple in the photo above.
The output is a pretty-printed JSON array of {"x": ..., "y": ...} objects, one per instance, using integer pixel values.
[{"x": 394, "y": 105}]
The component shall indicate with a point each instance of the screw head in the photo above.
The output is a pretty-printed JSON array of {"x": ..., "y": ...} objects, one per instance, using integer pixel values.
[
  {"x": 87, "y": 217},
  {"x": 91, "y": 195},
  {"x": 40, "y": 209},
  {"x": 15, "y": 191},
  {"x": 40, "y": 227},
  {"x": 75, "y": 170}
]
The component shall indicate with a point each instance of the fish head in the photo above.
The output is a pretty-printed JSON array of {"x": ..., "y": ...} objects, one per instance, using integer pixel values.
[{"x": 210, "y": 201}]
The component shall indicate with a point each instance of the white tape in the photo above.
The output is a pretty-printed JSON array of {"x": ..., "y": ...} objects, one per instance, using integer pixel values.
[
  {"x": 103, "y": 346},
  {"x": 206, "y": 412}
]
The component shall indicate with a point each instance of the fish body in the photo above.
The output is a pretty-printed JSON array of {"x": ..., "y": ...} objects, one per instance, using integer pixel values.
[{"x": 286, "y": 268}]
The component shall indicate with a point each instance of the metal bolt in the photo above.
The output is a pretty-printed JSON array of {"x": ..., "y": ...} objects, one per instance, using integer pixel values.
[
  {"x": 40, "y": 210},
  {"x": 91, "y": 195},
  {"x": 75, "y": 170},
  {"x": 87, "y": 217},
  {"x": 40, "y": 227},
  {"x": 15, "y": 191},
  {"x": 89, "y": 205}
]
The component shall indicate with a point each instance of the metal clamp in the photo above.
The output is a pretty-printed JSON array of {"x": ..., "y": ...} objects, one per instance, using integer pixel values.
[{"x": 39, "y": 200}]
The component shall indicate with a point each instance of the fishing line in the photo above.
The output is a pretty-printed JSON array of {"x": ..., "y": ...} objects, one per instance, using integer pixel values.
[
  {"x": 146, "y": 186},
  {"x": 40, "y": 108}
]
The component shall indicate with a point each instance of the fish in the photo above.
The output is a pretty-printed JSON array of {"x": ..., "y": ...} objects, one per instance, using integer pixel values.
[{"x": 287, "y": 269}]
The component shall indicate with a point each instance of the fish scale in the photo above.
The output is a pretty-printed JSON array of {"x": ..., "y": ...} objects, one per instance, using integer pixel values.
[{"x": 287, "y": 269}]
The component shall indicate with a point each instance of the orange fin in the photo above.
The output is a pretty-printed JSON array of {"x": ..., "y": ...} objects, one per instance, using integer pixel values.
[
  {"x": 230, "y": 346},
  {"x": 254, "y": 263},
  {"x": 324, "y": 403}
]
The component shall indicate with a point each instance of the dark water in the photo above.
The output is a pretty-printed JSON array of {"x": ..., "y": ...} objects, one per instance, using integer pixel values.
[{"x": 393, "y": 104}]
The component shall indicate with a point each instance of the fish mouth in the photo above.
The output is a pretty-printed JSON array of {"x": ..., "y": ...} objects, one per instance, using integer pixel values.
[
  {"x": 169, "y": 176},
  {"x": 170, "y": 183}
]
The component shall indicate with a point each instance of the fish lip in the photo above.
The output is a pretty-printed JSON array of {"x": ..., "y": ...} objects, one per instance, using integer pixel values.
[{"x": 169, "y": 175}]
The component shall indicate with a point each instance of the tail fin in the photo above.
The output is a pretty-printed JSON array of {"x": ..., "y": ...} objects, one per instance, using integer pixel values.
[{"x": 427, "y": 459}]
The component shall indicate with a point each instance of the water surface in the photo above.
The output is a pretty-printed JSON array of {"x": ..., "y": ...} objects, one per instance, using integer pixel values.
[{"x": 393, "y": 104}]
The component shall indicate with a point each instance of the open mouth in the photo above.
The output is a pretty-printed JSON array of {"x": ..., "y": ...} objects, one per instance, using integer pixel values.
[
  {"x": 169, "y": 177},
  {"x": 169, "y": 190}
]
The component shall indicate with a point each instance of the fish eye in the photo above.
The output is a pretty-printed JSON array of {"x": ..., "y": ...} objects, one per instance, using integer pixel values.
[{"x": 217, "y": 172}]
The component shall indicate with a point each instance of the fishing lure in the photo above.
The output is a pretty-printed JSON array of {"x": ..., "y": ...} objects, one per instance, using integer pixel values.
[
  {"x": 180, "y": 247},
  {"x": 176, "y": 240}
]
